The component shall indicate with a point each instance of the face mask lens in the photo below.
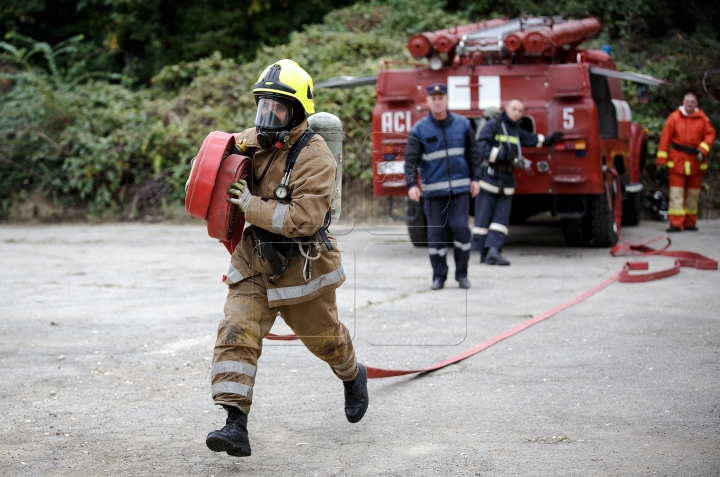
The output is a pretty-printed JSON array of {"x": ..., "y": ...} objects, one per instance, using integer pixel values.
[{"x": 272, "y": 114}]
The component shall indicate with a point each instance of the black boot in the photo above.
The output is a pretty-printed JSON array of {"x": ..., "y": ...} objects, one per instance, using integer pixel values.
[
  {"x": 233, "y": 438},
  {"x": 483, "y": 255},
  {"x": 356, "y": 396},
  {"x": 494, "y": 258}
]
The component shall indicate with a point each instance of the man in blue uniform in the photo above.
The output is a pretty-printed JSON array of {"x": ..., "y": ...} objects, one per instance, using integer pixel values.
[
  {"x": 500, "y": 143},
  {"x": 443, "y": 149}
]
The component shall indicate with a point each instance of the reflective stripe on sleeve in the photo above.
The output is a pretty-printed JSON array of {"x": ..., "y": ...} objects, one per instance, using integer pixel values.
[
  {"x": 662, "y": 154},
  {"x": 541, "y": 140},
  {"x": 463, "y": 246},
  {"x": 445, "y": 185},
  {"x": 286, "y": 293},
  {"x": 705, "y": 146},
  {"x": 453, "y": 151},
  {"x": 499, "y": 228},
  {"x": 489, "y": 187},
  {"x": 278, "y": 217},
  {"x": 670, "y": 164},
  {"x": 703, "y": 167},
  {"x": 493, "y": 155},
  {"x": 233, "y": 367},
  {"x": 233, "y": 275},
  {"x": 504, "y": 138},
  {"x": 231, "y": 388},
  {"x": 437, "y": 251},
  {"x": 508, "y": 190},
  {"x": 479, "y": 231}
]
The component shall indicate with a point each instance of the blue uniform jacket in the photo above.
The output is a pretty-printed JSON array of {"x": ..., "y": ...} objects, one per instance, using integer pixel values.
[
  {"x": 498, "y": 137},
  {"x": 445, "y": 153}
]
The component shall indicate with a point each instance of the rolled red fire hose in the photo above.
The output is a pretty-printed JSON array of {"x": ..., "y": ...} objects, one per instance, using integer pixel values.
[{"x": 213, "y": 171}]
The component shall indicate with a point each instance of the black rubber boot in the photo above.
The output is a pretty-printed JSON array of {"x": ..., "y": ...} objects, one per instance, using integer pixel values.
[
  {"x": 233, "y": 438},
  {"x": 356, "y": 396},
  {"x": 494, "y": 258}
]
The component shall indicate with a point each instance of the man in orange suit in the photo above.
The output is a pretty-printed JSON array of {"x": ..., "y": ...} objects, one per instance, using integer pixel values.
[{"x": 684, "y": 148}]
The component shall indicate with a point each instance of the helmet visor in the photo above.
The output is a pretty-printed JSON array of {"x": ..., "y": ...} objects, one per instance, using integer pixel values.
[{"x": 272, "y": 114}]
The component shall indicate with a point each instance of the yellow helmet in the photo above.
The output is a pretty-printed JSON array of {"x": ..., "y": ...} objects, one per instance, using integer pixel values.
[{"x": 286, "y": 78}]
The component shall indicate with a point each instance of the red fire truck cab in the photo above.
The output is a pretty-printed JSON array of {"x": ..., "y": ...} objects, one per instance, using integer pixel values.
[{"x": 564, "y": 89}]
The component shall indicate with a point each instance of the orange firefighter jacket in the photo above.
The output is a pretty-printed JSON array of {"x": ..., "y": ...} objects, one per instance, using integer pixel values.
[{"x": 692, "y": 130}]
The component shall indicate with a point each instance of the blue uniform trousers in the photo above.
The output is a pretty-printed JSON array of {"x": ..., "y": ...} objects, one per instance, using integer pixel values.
[
  {"x": 443, "y": 214},
  {"x": 492, "y": 216}
]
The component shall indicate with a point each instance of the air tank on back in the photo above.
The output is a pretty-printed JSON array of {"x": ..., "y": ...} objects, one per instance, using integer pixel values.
[{"x": 329, "y": 127}]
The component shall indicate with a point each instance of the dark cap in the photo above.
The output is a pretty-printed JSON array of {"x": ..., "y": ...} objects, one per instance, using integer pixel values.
[{"x": 437, "y": 88}]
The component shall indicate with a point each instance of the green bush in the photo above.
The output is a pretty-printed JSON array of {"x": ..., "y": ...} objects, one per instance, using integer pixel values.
[{"x": 85, "y": 139}]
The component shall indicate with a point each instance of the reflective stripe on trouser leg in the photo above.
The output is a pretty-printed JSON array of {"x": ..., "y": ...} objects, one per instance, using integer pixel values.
[
  {"x": 317, "y": 325},
  {"x": 484, "y": 206},
  {"x": 458, "y": 211},
  {"x": 436, "y": 215},
  {"x": 239, "y": 343},
  {"x": 676, "y": 201},
  {"x": 692, "y": 199},
  {"x": 498, "y": 225}
]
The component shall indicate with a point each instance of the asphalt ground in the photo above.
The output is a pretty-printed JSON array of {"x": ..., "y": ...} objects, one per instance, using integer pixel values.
[{"x": 106, "y": 336}]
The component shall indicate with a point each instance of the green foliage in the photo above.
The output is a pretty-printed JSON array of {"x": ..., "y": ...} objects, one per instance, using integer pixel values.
[
  {"x": 84, "y": 137},
  {"x": 138, "y": 38}
]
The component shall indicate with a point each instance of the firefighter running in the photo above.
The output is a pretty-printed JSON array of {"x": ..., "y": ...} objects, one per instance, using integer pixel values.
[
  {"x": 501, "y": 141},
  {"x": 684, "y": 148},
  {"x": 442, "y": 147},
  {"x": 286, "y": 262}
]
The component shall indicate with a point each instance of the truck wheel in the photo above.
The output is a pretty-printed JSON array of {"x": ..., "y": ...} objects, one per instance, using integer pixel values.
[
  {"x": 631, "y": 209},
  {"x": 574, "y": 232},
  {"x": 417, "y": 226},
  {"x": 600, "y": 222}
]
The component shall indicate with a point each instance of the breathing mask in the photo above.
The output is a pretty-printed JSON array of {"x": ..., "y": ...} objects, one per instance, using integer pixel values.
[{"x": 273, "y": 121}]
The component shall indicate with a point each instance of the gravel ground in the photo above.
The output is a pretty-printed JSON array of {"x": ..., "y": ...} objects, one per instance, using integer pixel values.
[{"x": 106, "y": 336}]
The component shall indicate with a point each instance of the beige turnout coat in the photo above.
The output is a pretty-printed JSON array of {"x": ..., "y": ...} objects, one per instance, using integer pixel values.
[{"x": 312, "y": 188}]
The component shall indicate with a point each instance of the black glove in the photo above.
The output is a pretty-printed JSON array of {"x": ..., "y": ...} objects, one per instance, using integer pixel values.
[{"x": 549, "y": 141}]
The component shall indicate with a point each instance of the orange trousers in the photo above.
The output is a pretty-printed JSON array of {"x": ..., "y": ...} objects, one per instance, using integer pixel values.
[{"x": 684, "y": 199}]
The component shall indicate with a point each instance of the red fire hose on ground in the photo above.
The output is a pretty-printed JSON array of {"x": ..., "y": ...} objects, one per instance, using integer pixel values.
[
  {"x": 684, "y": 259},
  {"x": 215, "y": 169}
]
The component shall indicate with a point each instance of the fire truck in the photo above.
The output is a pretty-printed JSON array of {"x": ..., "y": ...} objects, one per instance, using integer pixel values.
[{"x": 564, "y": 88}]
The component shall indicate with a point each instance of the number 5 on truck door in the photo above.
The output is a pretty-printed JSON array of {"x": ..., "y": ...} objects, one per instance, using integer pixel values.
[{"x": 568, "y": 118}]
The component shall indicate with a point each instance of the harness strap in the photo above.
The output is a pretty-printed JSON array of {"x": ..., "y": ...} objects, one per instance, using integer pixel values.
[{"x": 295, "y": 152}]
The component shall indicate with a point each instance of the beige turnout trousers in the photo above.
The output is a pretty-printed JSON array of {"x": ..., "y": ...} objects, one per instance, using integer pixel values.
[{"x": 248, "y": 318}]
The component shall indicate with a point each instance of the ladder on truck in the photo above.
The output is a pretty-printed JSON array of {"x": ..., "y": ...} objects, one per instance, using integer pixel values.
[{"x": 491, "y": 39}]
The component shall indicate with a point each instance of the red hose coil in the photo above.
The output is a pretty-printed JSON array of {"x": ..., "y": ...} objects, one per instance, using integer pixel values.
[{"x": 213, "y": 172}]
